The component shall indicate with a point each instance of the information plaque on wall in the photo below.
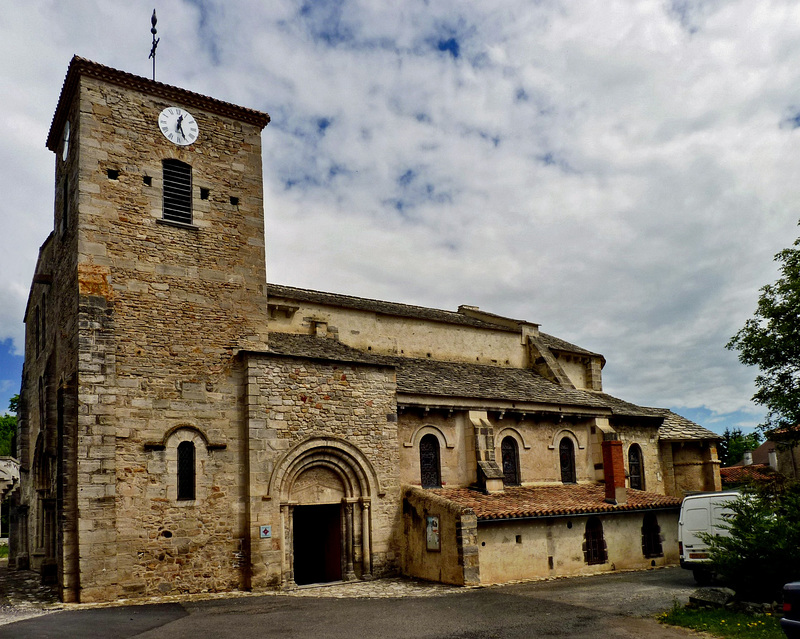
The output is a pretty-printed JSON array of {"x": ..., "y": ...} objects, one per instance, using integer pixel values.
[{"x": 432, "y": 532}]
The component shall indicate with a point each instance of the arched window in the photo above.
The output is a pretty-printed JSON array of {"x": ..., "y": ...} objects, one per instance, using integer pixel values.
[
  {"x": 177, "y": 191},
  {"x": 186, "y": 471},
  {"x": 651, "y": 536},
  {"x": 566, "y": 456},
  {"x": 635, "y": 467},
  {"x": 510, "y": 456},
  {"x": 429, "y": 462},
  {"x": 594, "y": 545}
]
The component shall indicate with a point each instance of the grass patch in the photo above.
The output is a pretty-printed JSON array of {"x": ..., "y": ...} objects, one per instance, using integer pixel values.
[
  {"x": 3, "y": 551},
  {"x": 724, "y": 623}
]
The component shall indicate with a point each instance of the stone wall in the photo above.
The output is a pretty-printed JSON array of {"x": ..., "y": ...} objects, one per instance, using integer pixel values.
[
  {"x": 163, "y": 310},
  {"x": 455, "y": 561},
  {"x": 550, "y": 547},
  {"x": 302, "y": 414}
]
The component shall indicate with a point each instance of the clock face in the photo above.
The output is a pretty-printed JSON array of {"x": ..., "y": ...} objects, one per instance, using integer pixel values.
[
  {"x": 65, "y": 141},
  {"x": 178, "y": 126}
]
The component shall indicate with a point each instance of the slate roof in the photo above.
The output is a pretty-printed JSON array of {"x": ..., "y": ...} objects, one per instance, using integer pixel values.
[
  {"x": 411, "y": 311},
  {"x": 679, "y": 428},
  {"x": 517, "y": 502},
  {"x": 451, "y": 379}
]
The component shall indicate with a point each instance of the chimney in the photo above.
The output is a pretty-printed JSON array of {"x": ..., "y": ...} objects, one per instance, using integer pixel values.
[
  {"x": 747, "y": 460},
  {"x": 773, "y": 459},
  {"x": 614, "y": 469}
]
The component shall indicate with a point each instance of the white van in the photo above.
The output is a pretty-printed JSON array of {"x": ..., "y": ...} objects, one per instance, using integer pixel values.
[{"x": 701, "y": 513}]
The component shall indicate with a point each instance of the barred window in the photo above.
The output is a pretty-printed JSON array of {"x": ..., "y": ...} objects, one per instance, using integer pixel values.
[
  {"x": 566, "y": 455},
  {"x": 186, "y": 471},
  {"x": 594, "y": 545},
  {"x": 177, "y": 191},
  {"x": 635, "y": 470},
  {"x": 510, "y": 454},
  {"x": 429, "y": 462},
  {"x": 651, "y": 536}
]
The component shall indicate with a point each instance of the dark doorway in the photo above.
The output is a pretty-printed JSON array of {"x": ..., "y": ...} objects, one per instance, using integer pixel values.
[{"x": 317, "y": 544}]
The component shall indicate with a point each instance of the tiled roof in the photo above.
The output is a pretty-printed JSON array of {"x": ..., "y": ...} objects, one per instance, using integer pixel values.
[
  {"x": 81, "y": 66},
  {"x": 744, "y": 474},
  {"x": 409, "y": 310},
  {"x": 549, "y": 501},
  {"x": 679, "y": 428},
  {"x": 452, "y": 379}
]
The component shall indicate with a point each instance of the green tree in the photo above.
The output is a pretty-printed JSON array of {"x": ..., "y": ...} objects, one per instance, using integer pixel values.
[
  {"x": 771, "y": 341},
  {"x": 8, "y": 427},
  {"x": 733, "y": 444},
  {"x": 762, "y": 550}
]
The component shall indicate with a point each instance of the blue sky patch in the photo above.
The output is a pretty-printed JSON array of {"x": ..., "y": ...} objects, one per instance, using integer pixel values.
[
  {"x": 325, "y": 21},
  {"x": 10, "y": 373},
  {"x": 450, "y": 45},
  {"x": 792, "y": 121}
]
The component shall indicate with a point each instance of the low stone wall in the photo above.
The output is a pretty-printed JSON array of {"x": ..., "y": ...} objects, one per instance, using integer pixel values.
[
  {"x": 454, "y": 559},
  {"x": 513, "y": 550}
]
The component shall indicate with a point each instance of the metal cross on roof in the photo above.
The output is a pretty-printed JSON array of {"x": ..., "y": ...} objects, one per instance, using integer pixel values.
[{"x": 153, "y": 21}]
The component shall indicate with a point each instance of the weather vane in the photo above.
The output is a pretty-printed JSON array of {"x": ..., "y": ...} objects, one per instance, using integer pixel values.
[{"x": 153, "y": 21}]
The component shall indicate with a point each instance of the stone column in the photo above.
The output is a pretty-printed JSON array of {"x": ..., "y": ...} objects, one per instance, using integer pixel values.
[
  {"x": 349, "y": 573},
  {"x": 288, "y": 543},
  {"x": 366, "y": 541}
]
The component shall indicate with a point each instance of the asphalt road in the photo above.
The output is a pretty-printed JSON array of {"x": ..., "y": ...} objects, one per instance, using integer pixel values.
[{"x": 615, "y": 605}]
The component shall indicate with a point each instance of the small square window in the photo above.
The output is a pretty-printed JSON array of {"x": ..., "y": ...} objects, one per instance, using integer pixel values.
[
  {"x": 113, "y": 174},
  {"x": 148, "y": 181},
  {"x": 204, "y": 193},
  {"x": 234, "y": 200}
]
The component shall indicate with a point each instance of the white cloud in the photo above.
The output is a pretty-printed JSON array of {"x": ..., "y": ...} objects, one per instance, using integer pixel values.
[{"x": 622, "y": 173}]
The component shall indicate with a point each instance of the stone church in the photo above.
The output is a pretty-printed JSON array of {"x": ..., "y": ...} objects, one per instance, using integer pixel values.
[{"x": 187, "y": 427}]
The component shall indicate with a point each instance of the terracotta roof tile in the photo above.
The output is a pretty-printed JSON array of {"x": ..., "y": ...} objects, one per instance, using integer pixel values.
[
  {"x": 548, "y": 501},
  {"x": 744, "y": 474}
]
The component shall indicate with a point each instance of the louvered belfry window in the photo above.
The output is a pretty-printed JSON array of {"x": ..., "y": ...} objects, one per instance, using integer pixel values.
[{"x": 177, "y": 191}]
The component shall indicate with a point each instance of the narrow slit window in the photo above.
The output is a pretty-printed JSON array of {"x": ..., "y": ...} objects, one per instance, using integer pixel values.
[
  {"x": 177, "y": 191},
  {"x": 186, "y": 471}
]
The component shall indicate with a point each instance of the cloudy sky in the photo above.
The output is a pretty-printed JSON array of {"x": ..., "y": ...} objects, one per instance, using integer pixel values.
[{"x": 620, "y": 171}]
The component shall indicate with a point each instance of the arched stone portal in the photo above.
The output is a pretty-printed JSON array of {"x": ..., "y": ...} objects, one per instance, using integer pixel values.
[{"x": 325, "y": 486}]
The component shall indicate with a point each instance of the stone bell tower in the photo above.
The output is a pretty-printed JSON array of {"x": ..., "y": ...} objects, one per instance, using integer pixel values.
[{"x": 151, "y": 282}]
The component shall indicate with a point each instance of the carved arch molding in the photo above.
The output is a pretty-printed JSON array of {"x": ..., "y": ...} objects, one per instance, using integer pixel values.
[{"x": 323, "y": 471}]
